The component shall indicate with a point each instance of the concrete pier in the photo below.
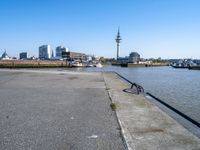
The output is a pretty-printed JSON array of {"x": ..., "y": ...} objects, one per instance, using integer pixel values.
[
  {"x": 144, "y": 125},
  {"x": 54, "y": 110},
  {"x": 71, "y": 110}
]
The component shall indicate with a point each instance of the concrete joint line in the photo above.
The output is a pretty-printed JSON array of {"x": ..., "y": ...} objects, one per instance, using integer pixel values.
[{"x": 126, "y": 137}]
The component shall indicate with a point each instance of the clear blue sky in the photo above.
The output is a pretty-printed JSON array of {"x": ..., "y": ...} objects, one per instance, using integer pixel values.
[{"x": 153, "y": 28}]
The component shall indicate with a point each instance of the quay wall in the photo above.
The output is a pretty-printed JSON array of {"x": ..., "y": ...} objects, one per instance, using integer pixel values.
[
  {"x": 147, "y": 65},
  {"x": 30, "y": 63},
  {"x": 143, "y": 124},
  {"x": 140, "y": 65}
]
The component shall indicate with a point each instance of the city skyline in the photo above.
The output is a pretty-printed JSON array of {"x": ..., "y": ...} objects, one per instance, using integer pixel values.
[{"x": 153, "y": 28}]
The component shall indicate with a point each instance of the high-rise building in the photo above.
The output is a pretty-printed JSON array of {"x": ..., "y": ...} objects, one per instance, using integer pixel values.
[
  {"x": 45, "y": 52},
  {"x": 59, "y": 51},
  {"x": 118, "y": 40},
  {"x": 23, "y": 55}
]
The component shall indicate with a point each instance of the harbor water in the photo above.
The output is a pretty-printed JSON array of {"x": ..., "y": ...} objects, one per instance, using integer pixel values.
[{"x": 179, "y": 88}]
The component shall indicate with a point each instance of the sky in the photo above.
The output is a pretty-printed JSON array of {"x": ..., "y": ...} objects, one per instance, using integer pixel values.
[{"x": 153, "y": 28}]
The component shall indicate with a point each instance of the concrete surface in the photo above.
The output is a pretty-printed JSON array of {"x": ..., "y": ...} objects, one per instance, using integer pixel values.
[
  {"x": 144, "y": 125},
  {"x": 42, "y": 109},
  {"x": 49, "y": 110}
]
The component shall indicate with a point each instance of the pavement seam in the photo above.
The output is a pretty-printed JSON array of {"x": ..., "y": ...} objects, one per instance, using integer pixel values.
[{"x": 122, "y": 132}]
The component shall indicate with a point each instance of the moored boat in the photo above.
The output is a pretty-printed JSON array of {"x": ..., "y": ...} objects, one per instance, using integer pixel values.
[
  {"x": 99, "y": 65},
  {"x": 89, "y": 65},
  {"x": 180, "y": 66},
  {"x": 76, "y": 64},
  {"x": 194, "y": 67}
]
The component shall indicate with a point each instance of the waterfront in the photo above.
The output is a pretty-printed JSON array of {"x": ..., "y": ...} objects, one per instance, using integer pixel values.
[
  {"x": 62, "y": 109},
  {"x": 178, "y": 87}
]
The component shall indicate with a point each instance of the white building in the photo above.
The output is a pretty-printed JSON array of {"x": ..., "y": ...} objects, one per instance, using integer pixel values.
[
  {"x": 45, "y": 52},
  {"x": 59, "y": 51}
]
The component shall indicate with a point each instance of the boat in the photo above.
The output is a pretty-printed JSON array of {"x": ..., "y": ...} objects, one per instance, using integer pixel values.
[
  {"x": 180, "y": 65},
  {"x": 99, "y": 65},
  {"x": 194, "y": 67},
  {"x": 89, "y": 65},
  {"x": 185, "y": 63},
  {"x": 76, "y": 64}
]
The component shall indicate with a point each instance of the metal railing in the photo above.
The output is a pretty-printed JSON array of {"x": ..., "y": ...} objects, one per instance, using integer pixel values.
[
  {"x": 139, "y": 88},
  {"x": 175, "y": 110}
]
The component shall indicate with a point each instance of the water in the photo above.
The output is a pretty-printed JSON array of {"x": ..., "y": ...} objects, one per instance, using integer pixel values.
[{"x": 178, "y": 87}]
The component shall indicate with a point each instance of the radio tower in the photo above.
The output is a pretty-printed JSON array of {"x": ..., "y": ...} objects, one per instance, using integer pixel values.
[{"x": 118, "y": 40}]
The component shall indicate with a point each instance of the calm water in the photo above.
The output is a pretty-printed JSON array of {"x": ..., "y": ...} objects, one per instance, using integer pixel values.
[{"x": 178, "y": 87}]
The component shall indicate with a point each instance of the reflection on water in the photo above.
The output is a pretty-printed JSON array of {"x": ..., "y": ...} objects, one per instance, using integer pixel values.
[{"x": 178, "y": 87}]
